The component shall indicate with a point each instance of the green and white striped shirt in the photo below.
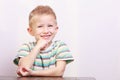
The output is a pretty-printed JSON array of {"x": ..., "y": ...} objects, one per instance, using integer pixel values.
[{"x": 58, "y": 50}]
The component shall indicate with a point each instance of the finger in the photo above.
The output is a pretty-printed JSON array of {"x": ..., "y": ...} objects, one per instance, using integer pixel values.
[
  {"x": 25, "y": 69},
  {"x": 19, "y": 73},
  {"x": 25, "y": 74}
]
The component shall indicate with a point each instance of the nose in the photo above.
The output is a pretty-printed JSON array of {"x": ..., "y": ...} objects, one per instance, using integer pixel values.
[{"x": 45, "y": 30}]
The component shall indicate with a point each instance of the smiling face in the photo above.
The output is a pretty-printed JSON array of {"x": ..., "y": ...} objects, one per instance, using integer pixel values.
[{"x": 43, "y": 27}]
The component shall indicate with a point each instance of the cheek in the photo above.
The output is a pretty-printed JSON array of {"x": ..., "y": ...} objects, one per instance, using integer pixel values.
[
  {"x": 53, "y": 30},
  {"x": 38, "y": 31}
]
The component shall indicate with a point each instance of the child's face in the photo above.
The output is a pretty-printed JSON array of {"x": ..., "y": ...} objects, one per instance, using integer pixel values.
[{"x": 44, "y": 27}]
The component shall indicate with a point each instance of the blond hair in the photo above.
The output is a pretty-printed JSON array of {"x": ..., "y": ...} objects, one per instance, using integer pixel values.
[{"x": 40, "y": 10}]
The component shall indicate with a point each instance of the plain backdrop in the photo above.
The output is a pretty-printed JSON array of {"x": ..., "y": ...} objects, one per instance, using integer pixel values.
[{"x": 91, "y": 28}]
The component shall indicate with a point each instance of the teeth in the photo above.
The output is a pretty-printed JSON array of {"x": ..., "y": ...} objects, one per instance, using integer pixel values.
[{"x": 46, "y": 36}]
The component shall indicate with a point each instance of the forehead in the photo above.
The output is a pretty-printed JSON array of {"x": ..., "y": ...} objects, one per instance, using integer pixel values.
[{"x": 43, "y": 17}]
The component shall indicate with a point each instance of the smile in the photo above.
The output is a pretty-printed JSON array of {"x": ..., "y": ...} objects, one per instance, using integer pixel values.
[{"x": 46, "y": 36}]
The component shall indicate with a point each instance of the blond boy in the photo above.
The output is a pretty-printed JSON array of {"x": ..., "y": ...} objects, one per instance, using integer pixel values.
[{"x": 44, "y": 57}]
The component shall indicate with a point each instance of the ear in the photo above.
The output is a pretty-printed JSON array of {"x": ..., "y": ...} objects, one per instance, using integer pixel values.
[
  {"x": 57, "y": 29},
  {"x": 30, "y": 31}
]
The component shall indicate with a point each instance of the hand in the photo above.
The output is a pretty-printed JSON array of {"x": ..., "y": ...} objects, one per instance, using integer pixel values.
[
  {"x": 24, "y": 71},
  {"x": 42, "y": 44}
]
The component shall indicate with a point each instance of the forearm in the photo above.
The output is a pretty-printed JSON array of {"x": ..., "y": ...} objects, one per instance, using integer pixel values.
[
  {"x": 57, "y": 71},
  {"x": 49, "y": 72},
  {"x": 28, "y": 60}
]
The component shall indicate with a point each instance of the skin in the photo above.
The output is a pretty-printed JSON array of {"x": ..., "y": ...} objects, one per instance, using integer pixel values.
[{"x": 44, "y": 30}]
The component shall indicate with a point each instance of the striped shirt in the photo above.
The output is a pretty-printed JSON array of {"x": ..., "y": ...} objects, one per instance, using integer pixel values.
[{"x": 58, "y": 50}]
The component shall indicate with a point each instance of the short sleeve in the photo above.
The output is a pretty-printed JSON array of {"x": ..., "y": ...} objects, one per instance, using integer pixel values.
[
  {"x": 22, "y": 52},
  {"x": 63, "y": 53}
]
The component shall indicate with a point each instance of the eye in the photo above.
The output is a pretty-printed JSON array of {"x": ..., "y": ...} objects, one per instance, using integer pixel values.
[
  {"x": 40, "y": 26},
  {"x": 50, "y": 25}
]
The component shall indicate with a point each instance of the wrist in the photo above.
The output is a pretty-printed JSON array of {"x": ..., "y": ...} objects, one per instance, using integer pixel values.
[{"x": 32, "y": 73}]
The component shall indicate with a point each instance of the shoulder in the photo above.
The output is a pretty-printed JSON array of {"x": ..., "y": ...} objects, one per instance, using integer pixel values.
[
  {"x": 27, "y": 46},
  {"x": 60, "y": 45},
  {"x": 59, "y": 42}
]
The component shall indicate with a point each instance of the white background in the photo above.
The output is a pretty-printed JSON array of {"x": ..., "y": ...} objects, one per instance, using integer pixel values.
[{"x": 91, "y": 28}]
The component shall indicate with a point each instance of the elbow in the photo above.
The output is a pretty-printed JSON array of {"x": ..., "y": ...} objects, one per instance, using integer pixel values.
[{"x": 60, "y": 73}]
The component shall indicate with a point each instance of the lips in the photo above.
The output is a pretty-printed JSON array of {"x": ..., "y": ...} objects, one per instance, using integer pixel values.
[{"x": 45, "y": 36}]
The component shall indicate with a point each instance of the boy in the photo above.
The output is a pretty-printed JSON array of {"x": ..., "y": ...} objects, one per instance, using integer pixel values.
[{"x": 43, "y": 57}]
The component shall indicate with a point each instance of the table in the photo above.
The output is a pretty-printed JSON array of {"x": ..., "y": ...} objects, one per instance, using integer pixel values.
[{"x": 45, "y": 78}]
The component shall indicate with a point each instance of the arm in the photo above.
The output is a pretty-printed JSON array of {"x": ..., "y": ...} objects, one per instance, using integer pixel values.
[
  {"x": 28, "y": 60},
  {"x": 57, "y": 71},
  {"x": 25, "y": 63}
]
